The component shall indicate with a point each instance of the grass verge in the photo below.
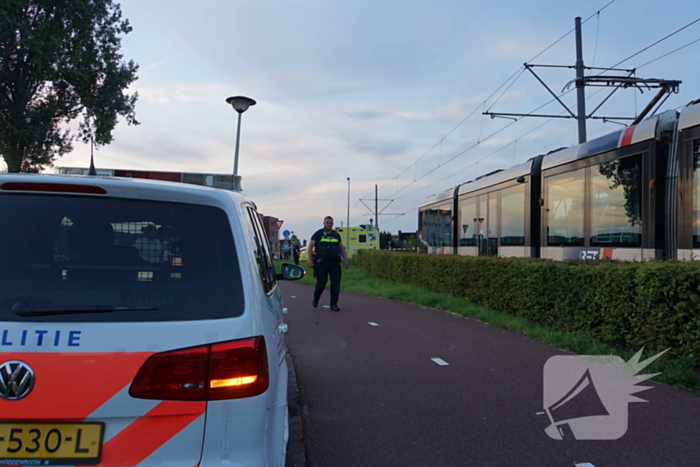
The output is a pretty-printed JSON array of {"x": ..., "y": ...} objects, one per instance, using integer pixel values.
[{"x": 676, "y": 371}]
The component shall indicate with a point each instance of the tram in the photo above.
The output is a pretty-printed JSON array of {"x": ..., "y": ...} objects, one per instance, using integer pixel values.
[{"x": 633, "y": 194}]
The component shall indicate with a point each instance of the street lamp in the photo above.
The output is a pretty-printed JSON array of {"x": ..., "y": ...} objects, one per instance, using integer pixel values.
[
  {"x": 347, "y": 231},
  {"x": 240, "y": 104}
]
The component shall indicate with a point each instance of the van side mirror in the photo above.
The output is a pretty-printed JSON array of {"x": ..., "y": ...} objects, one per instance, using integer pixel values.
[{"x": 291, "y": 272}]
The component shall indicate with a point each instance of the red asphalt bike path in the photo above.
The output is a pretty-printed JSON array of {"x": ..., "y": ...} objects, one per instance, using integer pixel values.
[{"x": 371, "y": 395}]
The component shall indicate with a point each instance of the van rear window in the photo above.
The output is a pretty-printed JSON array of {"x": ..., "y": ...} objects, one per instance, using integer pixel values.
[{"x": 174, "y": 261}]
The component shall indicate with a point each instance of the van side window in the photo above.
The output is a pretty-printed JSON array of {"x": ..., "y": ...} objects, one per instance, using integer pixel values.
[{"x": 262, "y": 252}]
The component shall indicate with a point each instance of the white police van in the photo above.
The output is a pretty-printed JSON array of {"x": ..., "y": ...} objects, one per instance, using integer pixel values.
[{"x": 140, "y": 325}]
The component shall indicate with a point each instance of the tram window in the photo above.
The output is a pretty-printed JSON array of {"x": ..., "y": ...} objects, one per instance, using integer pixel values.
[
  {"x": 696, "y": 193},
  {"x": 435, "y": 226},
  {"x": 429, "y": 227},
  {"x": 482, "y": 223},
  {"x": 445, "y": 235},
  {"x": 616, "y": 197},
  {"x": 513, "y": 216},
  {"x": 493, "y": 224},
  {"x": 468, "y": 222},
  {"x": 565, "y": 197}
]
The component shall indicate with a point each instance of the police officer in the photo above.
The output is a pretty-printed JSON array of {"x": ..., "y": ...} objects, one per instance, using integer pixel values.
[{"x": 326, "y": 249}]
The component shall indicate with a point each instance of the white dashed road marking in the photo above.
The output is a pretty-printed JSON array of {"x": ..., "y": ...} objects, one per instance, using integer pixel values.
[
  {"x": 294, "y": 296},
  {"x": 440, "y": 361},
  {"x": 584, "y": 464},
  {"x": 326, "y": 306},
  {"x": 373, "y": 324}
]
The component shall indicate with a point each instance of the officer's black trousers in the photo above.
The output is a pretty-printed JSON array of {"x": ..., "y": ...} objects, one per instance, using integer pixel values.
[{"x": 323, "y": 270}]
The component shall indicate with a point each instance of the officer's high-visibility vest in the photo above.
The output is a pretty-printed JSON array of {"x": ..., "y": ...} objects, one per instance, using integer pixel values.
[{"x": 328, "y": 246}]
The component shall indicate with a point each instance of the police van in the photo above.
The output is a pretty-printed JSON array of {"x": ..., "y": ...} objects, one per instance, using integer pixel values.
[{"x": 141, "y": 323}]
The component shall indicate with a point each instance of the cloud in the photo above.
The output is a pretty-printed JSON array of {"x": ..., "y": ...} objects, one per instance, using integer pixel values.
[
  {"x": 377, "y": 147},
  {"x": 153, "y": 65},
  {"x": 367, "y": 115},
  {"x": 513, "y": 44}
]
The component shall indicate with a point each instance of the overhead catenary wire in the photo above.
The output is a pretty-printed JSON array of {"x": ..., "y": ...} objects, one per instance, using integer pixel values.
[
  {"x": 597, "y": 35},
  {"x": 385, "y": 221},
  {"x": 572, "y": 30},
  {"x": 607, "y": 69},
  {"x": 669, "y": 53},
  {"x": 480, "y": 160},
  {"x": 550, "y": 120},
  {"x": 519, "y": 70},
  {"x": 650, "y": 46},
  {"x": 515, "y": 75},
  {"x": 478, "y": 143},
  {"x": 476, "y": 163},
  {"x": 414, "y": 164}
]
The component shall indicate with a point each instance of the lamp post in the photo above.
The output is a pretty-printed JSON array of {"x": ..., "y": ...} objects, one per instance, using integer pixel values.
[
  {"x": 347, "y": 227},
  {"x": 240, "y": 104}
]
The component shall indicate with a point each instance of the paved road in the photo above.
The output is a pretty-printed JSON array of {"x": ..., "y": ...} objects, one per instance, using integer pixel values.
[{"x": 372, "y": 396}]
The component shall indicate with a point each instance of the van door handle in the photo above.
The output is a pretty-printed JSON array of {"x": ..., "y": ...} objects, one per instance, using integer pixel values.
[{"x": 282, "y": 328}]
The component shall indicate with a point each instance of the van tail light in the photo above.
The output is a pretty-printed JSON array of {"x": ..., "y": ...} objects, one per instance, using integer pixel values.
[{"x": 226, "y": 370}]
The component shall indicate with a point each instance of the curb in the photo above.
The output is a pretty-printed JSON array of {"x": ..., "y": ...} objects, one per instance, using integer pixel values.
[{"x": 296, "y": 452}]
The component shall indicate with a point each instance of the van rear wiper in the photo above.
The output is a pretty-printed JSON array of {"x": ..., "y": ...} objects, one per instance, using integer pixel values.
[{"x": 24, "y": 309}]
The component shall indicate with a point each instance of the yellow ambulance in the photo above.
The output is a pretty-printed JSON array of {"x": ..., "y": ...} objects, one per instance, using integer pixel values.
[{"x": 360, "y": 238}]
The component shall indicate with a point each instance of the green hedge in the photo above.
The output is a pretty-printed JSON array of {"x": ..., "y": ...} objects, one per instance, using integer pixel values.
[{"x": 653, "y": 304}]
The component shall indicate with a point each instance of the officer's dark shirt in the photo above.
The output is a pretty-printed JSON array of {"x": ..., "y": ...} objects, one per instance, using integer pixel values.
[{"x": 327, "y": 245}]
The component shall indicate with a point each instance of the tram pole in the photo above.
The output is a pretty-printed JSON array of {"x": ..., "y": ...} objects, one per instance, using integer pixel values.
[
  {"x": 376, "y": 206},
  {"x": 580, "y": 85}
]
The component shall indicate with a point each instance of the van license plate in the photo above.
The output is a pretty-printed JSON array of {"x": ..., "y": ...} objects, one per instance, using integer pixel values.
[{"x": 50, "y": 443}]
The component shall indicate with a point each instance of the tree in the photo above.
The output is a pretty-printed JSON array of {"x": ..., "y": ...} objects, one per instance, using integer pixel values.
[
  {"x": 412, "y": 242},
  {"x": 385, "y": 239},
  {"x": 626, "y": 173},
  {"x": 60, "y": 61}
]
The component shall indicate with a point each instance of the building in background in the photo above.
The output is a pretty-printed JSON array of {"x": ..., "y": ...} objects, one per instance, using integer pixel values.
[
  {"x": 403, "y": 236},
  {"x": 272, "y": 228}
]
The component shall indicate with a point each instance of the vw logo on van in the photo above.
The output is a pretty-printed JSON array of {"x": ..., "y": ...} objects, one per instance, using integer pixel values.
[{"x": 16, "y": 380}]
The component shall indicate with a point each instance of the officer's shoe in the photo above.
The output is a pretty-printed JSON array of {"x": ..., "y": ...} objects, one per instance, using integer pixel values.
[
  {"x": 335, "y": 308},
  {"x": 315, "y": 303}
]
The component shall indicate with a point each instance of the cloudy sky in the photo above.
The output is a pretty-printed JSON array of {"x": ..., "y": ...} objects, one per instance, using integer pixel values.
[{"x": 388, "y": 93}]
